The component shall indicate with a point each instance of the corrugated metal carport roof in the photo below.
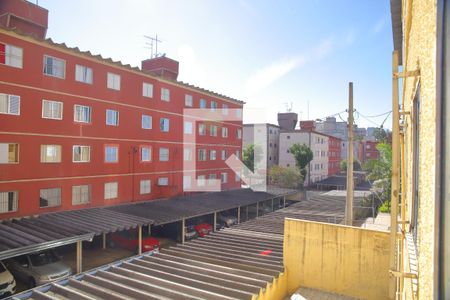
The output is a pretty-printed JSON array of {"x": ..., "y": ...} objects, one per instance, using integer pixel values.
[
  {"x": 175, "y": 209},
  {"x": 27, "y": 235}
]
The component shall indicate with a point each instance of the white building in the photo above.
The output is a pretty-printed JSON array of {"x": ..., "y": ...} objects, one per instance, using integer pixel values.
[
  {"x": 266, "y": 135},
  {"x": 317, "y": 142}
]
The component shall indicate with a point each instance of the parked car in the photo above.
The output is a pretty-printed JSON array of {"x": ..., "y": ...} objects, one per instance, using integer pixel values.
[
  {"x": 227, "y": 220},
  {"x": 38, "y": 268},
  {"x": 7, "y": 282},
  {"x": 203, "y": 229},
  {"x": 190, "y": 232},
  {"x": 129, "y": 240}
]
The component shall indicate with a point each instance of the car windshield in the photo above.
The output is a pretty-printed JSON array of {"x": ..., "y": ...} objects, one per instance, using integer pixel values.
[
  {"x": 2, "y": 268},
  {"x": 43, "y": 258}
]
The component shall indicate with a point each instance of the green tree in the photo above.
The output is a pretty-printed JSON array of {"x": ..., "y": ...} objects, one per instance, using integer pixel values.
[
  {"x": 380, "y": 135},
  {"x": 380, "y": 172},
  {"x": 285, "y": 177},
  {"x": 303, "y": 156},
  {"x": 252, "y": 154},
  {"x": 356, "y": 165}
]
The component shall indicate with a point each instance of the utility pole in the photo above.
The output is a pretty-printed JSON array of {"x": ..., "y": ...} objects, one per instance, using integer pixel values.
[{"x": 349, "y": 202}]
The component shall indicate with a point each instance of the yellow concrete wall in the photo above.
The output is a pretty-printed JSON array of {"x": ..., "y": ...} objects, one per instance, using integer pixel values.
[
  {"x": 340, "y": 259},
  {"x": 419, "y": 28},
  {"x": 277, "y": 290}
]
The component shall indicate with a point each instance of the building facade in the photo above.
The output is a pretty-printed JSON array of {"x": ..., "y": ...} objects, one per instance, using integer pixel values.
[
  {"x": 367, "y": 150},
  {"x": 266, "y": 134},
  {"x": 79, "y": 131}
]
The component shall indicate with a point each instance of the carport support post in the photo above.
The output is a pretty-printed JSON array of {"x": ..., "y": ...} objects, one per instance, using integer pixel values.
[
  {"x": 104, "y": 241},
  {"x": 79, "y": 256},
  {"x": 215, "y": 221},
  {"x": 246, "y": 213},
  {"x": 257, "y": 209},
  {"x": 284, "y": 201},
  {"x": 140, "y": 239},
  {"x": 272, "y": 204},
  {"x": 239, "y": 215},
  {"x": 183, "y": 230}
]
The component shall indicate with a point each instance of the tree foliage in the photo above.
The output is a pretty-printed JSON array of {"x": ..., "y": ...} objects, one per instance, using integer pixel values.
[
  {"x": 252, "y": 154},
  {"x": 285, "y": 177},
  {"x": 303, "y": 156},
  {"x": 380, "y": 135}
]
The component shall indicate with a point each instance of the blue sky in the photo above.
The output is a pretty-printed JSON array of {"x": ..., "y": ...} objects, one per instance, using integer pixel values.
[{"x": 266, "y": 53}]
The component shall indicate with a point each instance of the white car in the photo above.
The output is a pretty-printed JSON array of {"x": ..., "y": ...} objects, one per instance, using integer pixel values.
[{"x": 7, "y": 282}]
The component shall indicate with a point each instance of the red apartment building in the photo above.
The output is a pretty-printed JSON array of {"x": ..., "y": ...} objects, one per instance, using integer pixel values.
[
  {"x": 367, "y": 150},
  {"x": 334, "y": 155},
  {"x": 78, "y": 130}
]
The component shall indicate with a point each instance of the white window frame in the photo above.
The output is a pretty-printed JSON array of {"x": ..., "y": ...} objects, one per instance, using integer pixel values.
[
  {"x": 150, "y": 122},
  {"x": 187, "y": 181},
  {"x": 110, "y": 113},
  {"x": 163, "y": 181},
  {"x": 52, "y": 74},
  {"x": 53, "y": 197},
  {"x": 6, "y": 108},
  {"x": 6, "y": 203},
  {"x": 201, "y": 155},
  {"x": 201, "y": 129},
  {"x": 224, "y": 132},
  {"x": 223, "y": 154},
  {"x": 113, "y": 81},
  {"x": 224, "y": 109},
  {"x": 84, "y": 74},
  {"x": 12, "y": 59},
  {"x": 87, "y": 117},
  {"x": 52, "y": 105},
  {"x": 164, "y": 156},
  {"x": 111, "y": 190},
  {"x": 165, "y": 94},
  {"x": 145, "y": 186},
  {"x": 85, "y": 160},
  {"x": 147, "y": 90},
  {"x": 188, "y": 127},
  {"x": 5, "y": 153},
  {"x": 164, "y": 124},
  {"x": 187, "y": 154},
  {"x": 203, "y": 103},
  {"x": 224, "y": 177},
  {"x": 188, "y": 100},
  {"x": 148, "y": 156},
  {"x": 237, "y": 176},
  {"x": 211, "y": 178},
  {"x": 201, "y": 180},
  {"x": 213, "y": 130},
  {"x": 213, "y": 105},
  {"x": 46, "y": 149},
  {"x": 212, "y": 154},
  {"x": 82, "y": 193},
  {"x": 239, "y": 133},
  {"x": 114, "y": 151}
]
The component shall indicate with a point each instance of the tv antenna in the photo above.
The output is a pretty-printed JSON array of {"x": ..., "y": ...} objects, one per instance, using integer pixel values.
[
  {"x": 153, "y": 43},
  {"x": 288, "y": 108}
]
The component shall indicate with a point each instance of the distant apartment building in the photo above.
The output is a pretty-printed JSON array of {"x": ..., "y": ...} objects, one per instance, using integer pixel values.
[
  {"x": 264, "y": 134},
  {"x": 78, "y": 130},
  {"x": 325, "y": 148},
  {"x": 367, "y": 150}
]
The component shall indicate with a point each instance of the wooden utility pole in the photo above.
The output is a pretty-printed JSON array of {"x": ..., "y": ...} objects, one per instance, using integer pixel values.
[{"x": 349, "y": 202}]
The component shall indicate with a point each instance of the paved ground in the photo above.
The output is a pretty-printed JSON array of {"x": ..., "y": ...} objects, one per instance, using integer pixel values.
[
  {"x": 310, "y": 294},
  {"x": 382, "y": 222}
]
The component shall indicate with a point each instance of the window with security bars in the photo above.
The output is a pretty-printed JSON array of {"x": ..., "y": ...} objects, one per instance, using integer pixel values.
[
  {"x": 145, "y": 186},
  {"x": 201, "y": 154},
  {"x": 54, "y": 67},
  {"x": 213, "y": 130},
  {"x": 50, "y": 153},
  {"x": 81, "y": 153},
  {"x": 83, "y": 74},
  {"x": 9, "y": 153},
  {"x": 111, "y": 190},
  {"x": 81, "y": 194},
  {"x": 82, "y": 113},
  {"x": 9, "y": 201},
  {"x": 50, "y": 197},
  {"x": 52, "y": 109},
  {"x": 11, "y": 56},
  {"x": 9, "y": 104}
]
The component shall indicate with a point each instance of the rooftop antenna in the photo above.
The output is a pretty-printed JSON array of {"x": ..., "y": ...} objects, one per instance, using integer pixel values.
[
  {"x": 153, "y": 43},
  {"x": 308, "y": 108},
  {"x": 288, "y": 108}
]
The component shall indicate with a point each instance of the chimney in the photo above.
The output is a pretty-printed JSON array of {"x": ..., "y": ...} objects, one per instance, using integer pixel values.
[
  {"x": 287, "y": 121},
  {"x": 24, "y": 16},
  {"x": 309, "y": 125},
  {"x": 161, "y": 66}
]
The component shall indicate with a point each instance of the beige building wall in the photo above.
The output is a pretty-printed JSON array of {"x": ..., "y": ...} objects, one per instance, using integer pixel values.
[{"x": 419, "y": 52}]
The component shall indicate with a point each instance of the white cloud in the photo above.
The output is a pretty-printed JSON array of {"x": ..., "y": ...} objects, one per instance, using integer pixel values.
[
  {"x": 190, "y": 67},
  {"x": 324, "y": 48},
  {"x": 271, "y": 73}
]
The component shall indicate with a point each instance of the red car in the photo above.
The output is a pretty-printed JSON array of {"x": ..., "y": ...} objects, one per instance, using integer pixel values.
[
  {"x": 129, "y": 240},
  {"x": 203, "y": 229}
]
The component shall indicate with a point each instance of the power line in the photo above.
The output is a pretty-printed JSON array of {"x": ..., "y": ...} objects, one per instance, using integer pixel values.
[{"x": 376, "y": 116}]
